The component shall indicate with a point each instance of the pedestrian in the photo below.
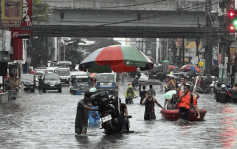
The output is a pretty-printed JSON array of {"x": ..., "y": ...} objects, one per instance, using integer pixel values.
[
  {"x": 181, "y": 86},
  {"x": 149, "y": 101},
  {"x": 83, "y": 107},
  {"x": 143, "y": 93},
  {"x": 40, "y": 83},
  {"x": 151, "y": 89},
  {"x": 167, "y": 86},
  {"x": 184, "y": 102}
]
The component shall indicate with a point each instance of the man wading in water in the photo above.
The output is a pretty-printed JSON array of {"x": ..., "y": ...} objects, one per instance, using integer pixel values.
[
  {"x": 149, "y": 101},
  {"x": 83, "y": 107}
]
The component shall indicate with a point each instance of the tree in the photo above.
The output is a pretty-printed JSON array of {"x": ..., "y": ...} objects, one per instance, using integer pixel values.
[{"x": 40, "y": 11}]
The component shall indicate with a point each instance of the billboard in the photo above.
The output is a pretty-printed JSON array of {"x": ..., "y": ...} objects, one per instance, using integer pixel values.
[
  {"x": 11, "y": 13},
  {"x": 27, "y": 13},
  {"x": 232, "y": 56}
]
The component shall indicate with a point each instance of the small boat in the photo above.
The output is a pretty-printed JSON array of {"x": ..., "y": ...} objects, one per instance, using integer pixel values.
[{"x": 173, "y": 115}]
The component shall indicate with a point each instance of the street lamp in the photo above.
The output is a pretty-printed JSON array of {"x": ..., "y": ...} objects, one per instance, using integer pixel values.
[{"x": 65, "y": 41}]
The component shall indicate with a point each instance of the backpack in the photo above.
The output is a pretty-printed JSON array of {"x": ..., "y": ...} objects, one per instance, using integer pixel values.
[{"x": 129, "y": 91}]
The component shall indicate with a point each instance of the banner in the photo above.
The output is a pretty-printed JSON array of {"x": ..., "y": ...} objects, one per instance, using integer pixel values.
[
  {"x": 11, "y": 13},
  {"x": 232, "y": 56}
]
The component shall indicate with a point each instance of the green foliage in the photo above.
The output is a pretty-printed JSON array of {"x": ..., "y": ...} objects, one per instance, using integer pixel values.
[
  {"x": 39, "y": 51},
  {"x": 40, "y": 10}
]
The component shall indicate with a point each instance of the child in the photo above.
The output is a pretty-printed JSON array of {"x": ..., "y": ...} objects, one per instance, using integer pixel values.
[{"x": 195, "y": 97}]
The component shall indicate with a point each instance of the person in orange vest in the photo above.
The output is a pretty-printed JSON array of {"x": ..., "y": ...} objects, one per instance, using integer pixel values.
[
  {"x": 185, "y": 101},
  {"x": 180, "y": 90}
]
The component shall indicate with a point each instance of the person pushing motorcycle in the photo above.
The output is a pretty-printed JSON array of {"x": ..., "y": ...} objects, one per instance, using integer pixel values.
[{"x": 129, "y": 93}]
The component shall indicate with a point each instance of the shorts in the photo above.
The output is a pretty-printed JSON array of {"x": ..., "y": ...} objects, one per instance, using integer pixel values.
[
  {"x": 148, "y": 116},
  {"x": 80, "y": 130}
]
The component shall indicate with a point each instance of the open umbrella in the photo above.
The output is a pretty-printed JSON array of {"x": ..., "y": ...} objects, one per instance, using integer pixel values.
[
  {"x": 190, "y": 68},
  {"x": 117, "y": 58},
  {"x": 171, "y": 67},
  {"x": 165, "y": 61},
  {"x": 169, "y": 94}
]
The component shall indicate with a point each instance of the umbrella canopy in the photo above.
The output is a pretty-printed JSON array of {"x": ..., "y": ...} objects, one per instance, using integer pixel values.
[
  {"x": 171, "y": 67},
  {"x": 117, "y": 58},
  {"x": 169, "y": 94},
  {"x": 165, "y": 61},
  {"x": 190, "y": 68}
]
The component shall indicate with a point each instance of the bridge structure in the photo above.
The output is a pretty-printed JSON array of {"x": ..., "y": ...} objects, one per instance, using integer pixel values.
[{"x": 136, "y": 18}]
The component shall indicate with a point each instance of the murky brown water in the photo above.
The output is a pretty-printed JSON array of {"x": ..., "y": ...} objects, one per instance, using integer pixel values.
[{"x": 47, "y": 121}]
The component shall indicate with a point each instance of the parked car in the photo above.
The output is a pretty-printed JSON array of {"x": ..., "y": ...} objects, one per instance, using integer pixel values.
[
  {"x": 28, "y": 81},
  {"x": 51, "y": 81}
]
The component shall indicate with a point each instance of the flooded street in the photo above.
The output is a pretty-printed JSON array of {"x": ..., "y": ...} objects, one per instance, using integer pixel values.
[{"x": 46, "y": 120}]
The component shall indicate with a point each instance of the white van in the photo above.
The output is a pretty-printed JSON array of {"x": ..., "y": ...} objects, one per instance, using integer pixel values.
[
  {"x": 64, "y": 74},
  {"x": 51, "y": 69}
]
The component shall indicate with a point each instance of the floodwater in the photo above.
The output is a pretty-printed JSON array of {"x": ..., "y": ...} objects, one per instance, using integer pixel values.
[{"x": 46, "y": 120}]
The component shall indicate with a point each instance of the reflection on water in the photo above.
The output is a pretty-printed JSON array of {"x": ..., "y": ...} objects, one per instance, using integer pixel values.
[
  {"x": 47, "y": 121},
  {"x": 229, "y": 131}
]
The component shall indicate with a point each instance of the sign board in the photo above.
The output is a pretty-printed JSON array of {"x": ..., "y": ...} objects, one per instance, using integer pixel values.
[
  {"x": 27, "y": 13},
  {"x": 201, "y": 63},
  {"x": 18, "y": 33},
  {"x": 232, "y": 56},
  {"x": 11, "y": 13}
]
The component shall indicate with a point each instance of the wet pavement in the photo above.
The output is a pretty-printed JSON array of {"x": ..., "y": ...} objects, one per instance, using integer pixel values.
[{"x": 46, "y": 120}]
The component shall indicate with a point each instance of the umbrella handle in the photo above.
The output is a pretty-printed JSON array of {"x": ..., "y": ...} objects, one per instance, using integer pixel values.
[{"x": 194, "y": 88}]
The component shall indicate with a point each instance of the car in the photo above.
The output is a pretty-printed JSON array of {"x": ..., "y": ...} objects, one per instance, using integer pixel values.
[
  {"x": 28, "y": 81},
  {"x": 64, "y": 74},
  {"x": 51, "y": 81}
]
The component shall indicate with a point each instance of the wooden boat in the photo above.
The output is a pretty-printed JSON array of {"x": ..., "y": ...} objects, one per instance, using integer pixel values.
[{"x": 173, "y": 115}]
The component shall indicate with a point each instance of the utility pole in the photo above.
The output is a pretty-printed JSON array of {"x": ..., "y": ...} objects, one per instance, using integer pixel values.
[
  {"x": 208, "y": 46},
  {"x": 197, "y": 39}
]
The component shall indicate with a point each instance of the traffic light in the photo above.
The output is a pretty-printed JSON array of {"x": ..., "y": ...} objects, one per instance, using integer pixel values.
[{"x": 231, "y": 20}]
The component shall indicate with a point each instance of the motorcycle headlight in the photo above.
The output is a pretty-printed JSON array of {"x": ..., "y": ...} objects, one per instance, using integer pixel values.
[{"x": 223, "y": 86}]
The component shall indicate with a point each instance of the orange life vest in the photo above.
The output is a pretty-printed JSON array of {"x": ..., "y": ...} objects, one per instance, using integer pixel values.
[{"x": 185, "y": 101}]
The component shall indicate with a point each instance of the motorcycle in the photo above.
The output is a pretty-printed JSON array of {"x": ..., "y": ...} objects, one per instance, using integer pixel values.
[
  {"x": 111, "y": 120},
  {"x": 221, "y": 93},
  {"x": 129, "y": 100}
]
